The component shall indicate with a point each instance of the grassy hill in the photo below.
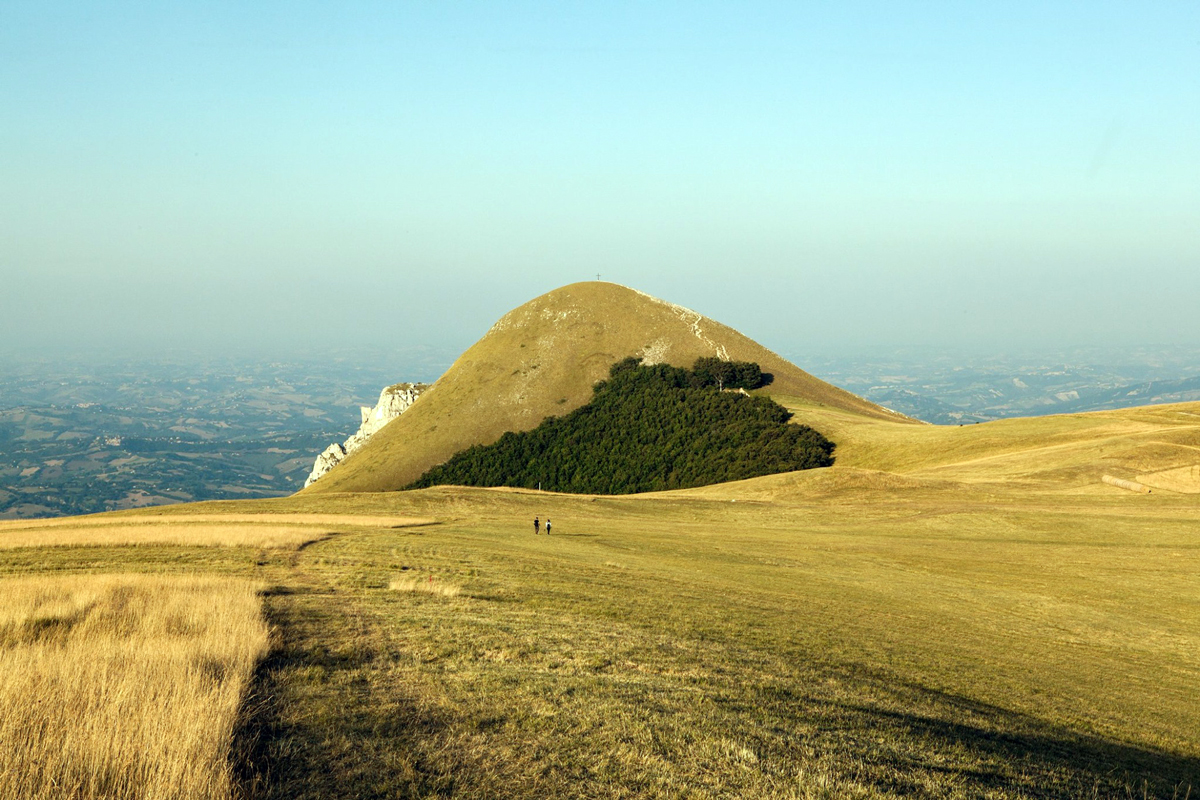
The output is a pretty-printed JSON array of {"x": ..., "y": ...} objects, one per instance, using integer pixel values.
[
  {"x": 646, "y": 428},
  {"x": 1155, "y": 445},
  {"x": 541, "y": 359},
  {"x": 946, "y": 612}
]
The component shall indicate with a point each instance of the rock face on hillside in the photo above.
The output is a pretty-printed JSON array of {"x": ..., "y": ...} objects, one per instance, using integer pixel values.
[
  {"x": 542, "y": 359},
  {"x": 393, "y": 401}
]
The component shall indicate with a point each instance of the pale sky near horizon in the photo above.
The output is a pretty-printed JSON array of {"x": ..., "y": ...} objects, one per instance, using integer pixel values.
[{"x": 272, "y": 176}]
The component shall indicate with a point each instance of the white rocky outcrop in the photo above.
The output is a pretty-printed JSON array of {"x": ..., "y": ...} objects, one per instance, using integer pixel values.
[{"x": 393, "y": 401}]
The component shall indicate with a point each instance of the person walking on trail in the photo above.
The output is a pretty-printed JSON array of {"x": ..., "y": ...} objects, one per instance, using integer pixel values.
[
  {"x": 536, "y": 526},
  {"x": 547, "y": 526}
]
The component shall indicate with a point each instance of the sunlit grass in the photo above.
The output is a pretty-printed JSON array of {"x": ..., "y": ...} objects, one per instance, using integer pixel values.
[
  {"x": 965, "y": 613},
  {"x": 177, "y": 515},
  {"x": 426, "y": 584},
  {"x": 278, "y": 531},
  {"x": 123, "y": 686},
  {"x": 860, "y": 635},
  {"x": 194, "y": 534}
]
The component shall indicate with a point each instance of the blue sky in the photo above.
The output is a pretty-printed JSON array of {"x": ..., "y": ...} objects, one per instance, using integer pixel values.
[{"x": 827, "y": 178}]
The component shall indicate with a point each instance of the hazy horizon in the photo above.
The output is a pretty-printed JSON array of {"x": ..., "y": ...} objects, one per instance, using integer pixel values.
[{"x": 279, "y": 178}]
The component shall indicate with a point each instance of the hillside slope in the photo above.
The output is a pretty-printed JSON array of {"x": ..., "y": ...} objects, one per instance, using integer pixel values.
[
  {"x": 648, "y": 428},
  {"x": 541, "y": 359},
  {"x": 1157, "y": 446}
]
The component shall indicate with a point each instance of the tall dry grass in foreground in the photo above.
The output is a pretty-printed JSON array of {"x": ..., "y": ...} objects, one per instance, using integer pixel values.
[{"x": 123, "y": 686}]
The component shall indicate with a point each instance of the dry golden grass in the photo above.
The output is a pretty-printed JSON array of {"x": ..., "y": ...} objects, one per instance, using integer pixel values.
[
  {"x": 948, "y": 612},
  {"x": 425, "y": 584},
  {"x": 834, "y": 634},
  {"x": 68, "y": 534},
  {"x": 1066, "y": 453},
  {"x": 278, "y": 531},
  {"x": 123, "y": 686},
  {"x": 1185, "y": 480},
  {"x": 176, "y": 515}
]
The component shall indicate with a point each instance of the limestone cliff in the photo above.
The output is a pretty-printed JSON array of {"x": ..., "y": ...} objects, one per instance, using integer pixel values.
[{"x": 393, "y": 401}]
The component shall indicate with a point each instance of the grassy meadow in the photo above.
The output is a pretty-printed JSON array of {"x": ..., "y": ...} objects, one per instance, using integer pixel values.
[
  {"x": 947, "y": 612},
  {"x": 847, "y": 646}
]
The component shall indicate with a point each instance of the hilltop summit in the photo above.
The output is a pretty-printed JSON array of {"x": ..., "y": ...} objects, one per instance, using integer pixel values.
[{"x": 542, "y": 359}]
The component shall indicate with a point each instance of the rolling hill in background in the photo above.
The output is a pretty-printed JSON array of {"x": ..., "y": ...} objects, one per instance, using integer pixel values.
[
  {"x": 542, "y": 359},
  {"x": 1007, "y": 610}
]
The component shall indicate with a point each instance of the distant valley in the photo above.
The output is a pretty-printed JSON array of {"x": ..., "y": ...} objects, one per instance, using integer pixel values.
[
  {"x": 953, "y": 390},
  {"x": 109, "y": 434},
  {"x": 84, "y": 437}
]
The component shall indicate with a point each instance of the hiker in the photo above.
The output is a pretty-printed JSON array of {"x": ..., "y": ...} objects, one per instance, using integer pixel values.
[
  {"x": 536, "y": 526},
  {"x": 547, "y": 526}
]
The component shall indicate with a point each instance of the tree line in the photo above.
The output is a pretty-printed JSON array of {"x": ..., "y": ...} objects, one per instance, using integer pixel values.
[{"x": 647, "y": 428}]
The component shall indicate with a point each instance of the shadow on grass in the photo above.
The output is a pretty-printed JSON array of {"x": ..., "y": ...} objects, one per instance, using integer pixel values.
[
  {"x": 315, "y": 726},
  {"x": 299, "y": 738},
  {"x": 1006, "y": 754}
]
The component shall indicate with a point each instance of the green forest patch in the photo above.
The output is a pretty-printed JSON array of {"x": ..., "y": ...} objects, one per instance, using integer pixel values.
[{"x": 648, "y": 428}]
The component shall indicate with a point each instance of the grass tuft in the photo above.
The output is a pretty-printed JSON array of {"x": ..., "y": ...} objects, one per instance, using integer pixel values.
[{"x": 425, "y": 584}]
